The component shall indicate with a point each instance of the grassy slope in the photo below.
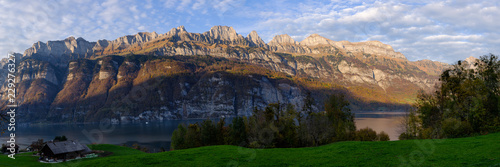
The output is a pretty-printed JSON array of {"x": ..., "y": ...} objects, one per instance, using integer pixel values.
[{"x": 472, "y": 151}]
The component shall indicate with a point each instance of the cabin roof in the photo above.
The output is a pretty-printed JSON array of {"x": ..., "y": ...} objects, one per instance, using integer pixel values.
[{"x": 66, "y": 147}]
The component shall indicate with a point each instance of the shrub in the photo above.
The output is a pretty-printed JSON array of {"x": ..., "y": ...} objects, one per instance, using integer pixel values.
[
  {"x": 4, "y": 148},
  {"x": 382, "y": 136},
  {"x": 254, "y": 144},
  {"x": 178, "y": 138},
  {"x": 430, "y": 133},
  {"x": 406, "y": 136},
  {"x": 453, "y": 127},
  {"x": 366, "y": 134}
]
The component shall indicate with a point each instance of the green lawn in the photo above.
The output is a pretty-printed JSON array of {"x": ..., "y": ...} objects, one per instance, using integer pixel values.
[{"x": 472, "y": 151}]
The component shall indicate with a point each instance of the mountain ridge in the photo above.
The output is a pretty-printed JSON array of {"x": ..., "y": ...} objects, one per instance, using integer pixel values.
[
  {"x": 192, "y": 75},
  {"x": 220, "y": 33}
]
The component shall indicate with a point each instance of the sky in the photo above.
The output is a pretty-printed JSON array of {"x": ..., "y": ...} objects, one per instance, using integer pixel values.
[{"x": 445, "y": 31}]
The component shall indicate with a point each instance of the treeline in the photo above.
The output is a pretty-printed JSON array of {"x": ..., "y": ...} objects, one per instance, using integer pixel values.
[
  {"x": 466, "y": 102},
  {"x": 279, "y": 125}
]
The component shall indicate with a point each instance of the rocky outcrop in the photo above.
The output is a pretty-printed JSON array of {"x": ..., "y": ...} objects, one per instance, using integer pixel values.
[
  {"x": 225, "y": 34},
  {"x": 315, "y": 39},
  {"x": 285, "y": 43},
  {"x": 373, "y": 47},
  {"x": 255, "y": 40},
  {"x": 284, "y": 39},
  {"x": 139, "y": 38},
  {"x": 433, "y": 68},
  {"x": 176, "y": 31},
  {"x": 470, "y": 62},
  {"x": 33, "y": 69},
  {"x": 57, "y": 48}
]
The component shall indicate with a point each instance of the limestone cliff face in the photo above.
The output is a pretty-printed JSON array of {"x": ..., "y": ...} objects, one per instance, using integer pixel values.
[
  {"x": 255, "y": 40},
  {"x": 38, "y": 83},
  {"x": 57, "y": 48},
  {"x": 285, "y": 43},
  {"x": 225, "y": 34},
  {"x": 434, "y": 68},
  {"x": 138, "y": 38},
  {"x": 160, "y": 89},
  {"x": 33, "y": 69},
  {"x": 315, "y": 39},
  {"x": 316, "y": 44},
  {"x": 373, "y": 47},
  {"x": 76, "y": 80},
  {"x": 284, "y": 39}
]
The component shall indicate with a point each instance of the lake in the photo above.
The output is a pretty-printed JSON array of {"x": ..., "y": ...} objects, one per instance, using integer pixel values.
[
  {"x": 389, "y": 122},
  {"x": 155, "y": 135}
]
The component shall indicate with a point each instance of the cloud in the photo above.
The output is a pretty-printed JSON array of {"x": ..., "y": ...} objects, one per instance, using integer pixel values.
[
  {"x": 225, "y": 5},
  {"x": 170, "y": 3},
  {"x": 438, "y": 30},
  {"x": 26, "y": 22},
  {"x": 451, "y": 37},
  {"x": 445, "y": 31}
]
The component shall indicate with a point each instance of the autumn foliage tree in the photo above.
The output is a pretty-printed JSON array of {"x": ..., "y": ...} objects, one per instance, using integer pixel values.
[{"x": 467, "y": 102}]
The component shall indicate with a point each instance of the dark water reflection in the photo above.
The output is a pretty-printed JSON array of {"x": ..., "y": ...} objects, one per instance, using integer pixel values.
[{"x": 155, "y": 135}]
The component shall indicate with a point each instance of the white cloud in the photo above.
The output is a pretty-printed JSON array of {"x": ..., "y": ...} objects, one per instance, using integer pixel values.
[
  {"x": 26, "y": 22},
  {"x": 452, "y": 37},
  {"x": 445, "y": 31},
  {"x": 170, "y": 3},
  {"x": 225, "y": 5}
]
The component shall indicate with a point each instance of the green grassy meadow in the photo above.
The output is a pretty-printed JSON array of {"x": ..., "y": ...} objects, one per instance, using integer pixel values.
[{"x": 472, "y": 151}]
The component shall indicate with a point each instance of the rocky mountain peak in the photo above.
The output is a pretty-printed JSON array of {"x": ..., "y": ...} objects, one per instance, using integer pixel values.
[
  {"x": 146, "y": 36},
  {"x": 139, "y": 38},
  {"x": 70, "y": 38},
  {"x": 100, "y": 44},
  {"x": 69, "y": 45},
  {"x": 316, "y": 39},
  {"x": 282, "y": 40},
  {"x": 255, "y": 39},
  {"x": 223, "y": 33},
  {"x": 80, "y": 39},
  {"x": 471, "y": 59},
  {"x": 176, "y": 31}
]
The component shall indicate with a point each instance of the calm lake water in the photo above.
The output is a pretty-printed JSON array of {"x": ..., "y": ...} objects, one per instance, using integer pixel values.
[
  {"x": 155, "y": 135},
  {"x": 389, "y": 122}
]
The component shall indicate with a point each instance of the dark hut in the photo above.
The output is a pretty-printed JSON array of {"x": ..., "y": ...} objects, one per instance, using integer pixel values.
[{"x": 64, "y": 150}]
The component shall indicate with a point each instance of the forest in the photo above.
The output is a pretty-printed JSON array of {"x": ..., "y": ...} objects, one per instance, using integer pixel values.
[{"x": 279, "y": 126}]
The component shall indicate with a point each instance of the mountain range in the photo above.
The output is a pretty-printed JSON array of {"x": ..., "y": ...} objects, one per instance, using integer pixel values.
[{"x": 180, "y": 75}]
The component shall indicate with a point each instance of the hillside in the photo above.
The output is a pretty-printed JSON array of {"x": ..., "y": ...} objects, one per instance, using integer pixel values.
[
  {"x": 472, "y": 151},
  {"x": 177, "y": 75}
]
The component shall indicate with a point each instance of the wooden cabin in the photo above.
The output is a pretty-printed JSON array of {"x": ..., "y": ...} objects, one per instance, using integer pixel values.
[{"x": 64, "y": 150}]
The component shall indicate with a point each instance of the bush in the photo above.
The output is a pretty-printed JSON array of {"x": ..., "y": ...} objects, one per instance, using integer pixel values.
[
  {"x": 254, "y": 144},
  {"x": 453, "y": 127},
  {"x": 382, "y": 136},
  {"x": 4, "y": 148},
  {"x": 178, "y": 138},
  {"x": 366, "y": 134},
  {"x": 193, "y": 136},
  {"x": 406, "y": 136}
]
